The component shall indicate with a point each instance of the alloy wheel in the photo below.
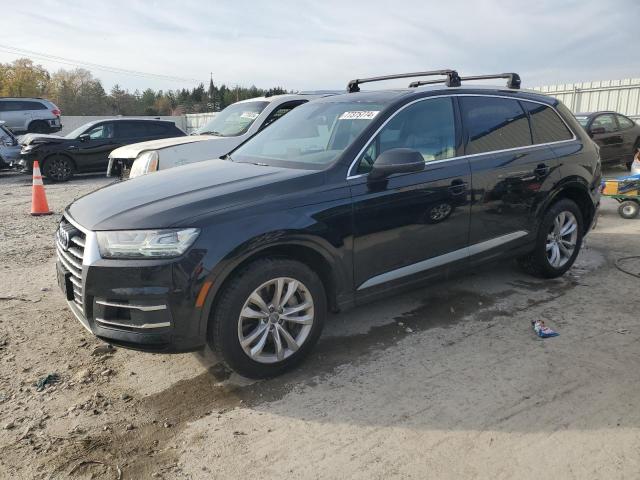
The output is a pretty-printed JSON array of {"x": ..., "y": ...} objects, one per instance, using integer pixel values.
[
  {"x": 58, "y": 169},
  {"x": 276, "y": 319},
  {"x": 562, "y": 239}
]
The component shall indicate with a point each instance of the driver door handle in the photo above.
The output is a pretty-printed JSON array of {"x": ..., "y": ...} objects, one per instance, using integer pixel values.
[{"x": 458, "y": 187}]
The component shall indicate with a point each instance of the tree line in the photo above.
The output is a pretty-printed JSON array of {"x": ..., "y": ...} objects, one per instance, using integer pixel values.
[{"x": 78, "y": 92}]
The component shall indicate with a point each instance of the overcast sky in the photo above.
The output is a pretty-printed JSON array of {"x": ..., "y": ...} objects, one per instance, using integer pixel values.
[{"x": 321, "y": 44}]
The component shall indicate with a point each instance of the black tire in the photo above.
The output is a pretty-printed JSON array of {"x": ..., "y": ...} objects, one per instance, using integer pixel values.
[
  {"x": 223, "y": 331},
  {"x": 537, "y": 262},
  {"x": 39, "y": 127},
  {"x": 629, "y": 209},
  {"x": 58, "y": 168}
]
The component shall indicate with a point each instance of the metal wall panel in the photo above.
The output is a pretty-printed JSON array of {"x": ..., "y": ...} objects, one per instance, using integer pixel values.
[{"x": 622, "y": 96}]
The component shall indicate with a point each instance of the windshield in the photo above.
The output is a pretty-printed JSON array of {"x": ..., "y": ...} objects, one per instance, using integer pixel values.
[
  {"x": 311, "y": 136},
  {"x": 78, "y": 131},
  {"x": 583, "y": 121},
  {"x": 233, "y": 120}
]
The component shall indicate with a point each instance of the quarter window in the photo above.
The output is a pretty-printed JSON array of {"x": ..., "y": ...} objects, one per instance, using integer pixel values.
[
  {"x": 624, "y": 122},
  {"x": 427, "y": 126},
  {"x": 494, "y": 124},
  {"x": 546, "y": 125}
]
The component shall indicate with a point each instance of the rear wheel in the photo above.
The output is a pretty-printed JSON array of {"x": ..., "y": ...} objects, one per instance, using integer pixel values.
[
  {"x": 558, "y": 243},
  {"x": 39, "y": 127},
  {"x": 268, "y": 318},
  {"x": 629, "y": 209},
  {"x": 58, "y": 168}
]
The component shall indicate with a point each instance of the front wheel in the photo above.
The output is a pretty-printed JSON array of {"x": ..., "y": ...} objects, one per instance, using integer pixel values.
[
  {"x": 558, "y": 242},
  {"x": 58, "y": 168},
  {"x": 268, "y": 318}
]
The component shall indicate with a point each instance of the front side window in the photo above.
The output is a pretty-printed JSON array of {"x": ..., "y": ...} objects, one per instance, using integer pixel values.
[
  {"x": 311, "y": 136},
  {"x": 102, "y": 131},
  {"x": 234, "y": 120},
  {"x": 494, "y": 123},
  {"x": 546, "y": 126},
  {"x": 607, "y": 121},
  {"x": 624, "y": 122},
  {"x": 427, "y": 126}
]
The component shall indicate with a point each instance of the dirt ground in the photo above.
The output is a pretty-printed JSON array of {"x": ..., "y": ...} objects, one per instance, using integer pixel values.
[{"x": 444, "y": 382}]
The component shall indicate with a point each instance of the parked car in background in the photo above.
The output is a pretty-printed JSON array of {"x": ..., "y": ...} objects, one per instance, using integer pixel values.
[
  {"x": 344, "y": 199},
  {"x": 87, "y": 148},
  {"x": 36, "y": 115},
  {"x": 9, "y": 147},
  {"x": 617, "y": 136},
  {"x": 224, "y": 132}
]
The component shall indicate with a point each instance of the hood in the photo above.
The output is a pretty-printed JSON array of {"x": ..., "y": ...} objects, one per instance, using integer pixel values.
[
  {"x": 171, "y": 197},
  {"x": 37, "y": 138},
  {"x": 133, "y": 150}
]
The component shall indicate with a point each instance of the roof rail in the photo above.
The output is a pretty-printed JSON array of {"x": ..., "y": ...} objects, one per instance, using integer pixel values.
[
  {"x": 513, "y": 80},
  {"x": 452, "y": 80}
]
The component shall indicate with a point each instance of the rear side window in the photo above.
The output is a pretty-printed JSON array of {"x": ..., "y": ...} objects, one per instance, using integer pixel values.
[
  {"x": 494, "y": 123},
  {"x": 624, "y": 122},
  {"x": 606, "y": 121},
  {"x": 132, "y": 130},
  {"x": 546, "y": 125},
  {"x": 25, "y": 105},
  {"x": 156, "y": 129}
]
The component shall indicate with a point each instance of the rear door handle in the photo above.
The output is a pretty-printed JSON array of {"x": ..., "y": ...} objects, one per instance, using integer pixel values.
[
  {"x": 72, "y": 147},
  {"x": 458, "y": 187}
]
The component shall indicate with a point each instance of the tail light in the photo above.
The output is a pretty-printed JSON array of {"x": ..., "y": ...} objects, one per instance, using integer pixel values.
[{"x": 56, "y": 112}]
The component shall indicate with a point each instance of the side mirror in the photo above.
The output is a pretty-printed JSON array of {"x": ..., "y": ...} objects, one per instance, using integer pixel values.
[
  {"x": 396, "y": 160},
  {"x": 597, "y": 130},
  {"x": 84, "y": 137}
]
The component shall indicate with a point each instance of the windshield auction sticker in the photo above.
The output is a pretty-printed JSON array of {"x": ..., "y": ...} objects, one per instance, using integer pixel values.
[
  {"x": 250, "y": 115},
  {"x": 359, "y": 115}
]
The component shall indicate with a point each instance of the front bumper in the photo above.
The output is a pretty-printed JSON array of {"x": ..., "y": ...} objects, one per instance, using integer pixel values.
[{"x": 140, "y": 304}]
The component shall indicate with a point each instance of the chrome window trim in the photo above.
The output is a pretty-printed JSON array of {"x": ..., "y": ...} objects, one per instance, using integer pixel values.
[
  {"x": 443, "y": 259},
  {"x": 353, "y": 163}
]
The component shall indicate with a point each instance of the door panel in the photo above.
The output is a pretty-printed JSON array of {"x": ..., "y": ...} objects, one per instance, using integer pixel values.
[
  {"x": 404, "y": 221},
  {"x": 611, "y": 141},
  {"x": 509, "y": 174},
  {"x": 407, "y": 219},
  {"x": 93, "y": 154},
  {"x": 506, "y": 188}
]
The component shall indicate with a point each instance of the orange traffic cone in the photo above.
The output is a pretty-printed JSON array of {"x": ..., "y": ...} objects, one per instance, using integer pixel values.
[{"x": 39, "y": 204}]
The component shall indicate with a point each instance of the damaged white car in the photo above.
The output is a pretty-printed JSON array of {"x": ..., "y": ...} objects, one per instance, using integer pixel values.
[{"x": 223, "y": 133}]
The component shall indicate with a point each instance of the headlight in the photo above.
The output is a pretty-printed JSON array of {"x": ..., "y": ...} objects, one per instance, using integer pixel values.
[
  {"x": 146, "y": 243},
  {"x": 144, "y": 163},
  {"x": 28, "y": 148}
]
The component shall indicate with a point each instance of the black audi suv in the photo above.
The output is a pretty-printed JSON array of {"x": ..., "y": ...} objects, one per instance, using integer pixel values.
[{"x": 344, "y": 199}]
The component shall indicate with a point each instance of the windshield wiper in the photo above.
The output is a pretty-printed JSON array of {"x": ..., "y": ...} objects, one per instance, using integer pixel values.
[{"x": 211, "y": 132}]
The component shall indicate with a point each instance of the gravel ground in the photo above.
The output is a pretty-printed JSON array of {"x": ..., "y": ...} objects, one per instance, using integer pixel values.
[{"x": 443, "y": 382}]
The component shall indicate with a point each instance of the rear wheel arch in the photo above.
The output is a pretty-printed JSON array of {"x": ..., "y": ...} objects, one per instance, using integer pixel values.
[
  {"x": 579, "y": 193},
  {"x": 45, "y": 126},
  {"x": 319, "y": 262}
]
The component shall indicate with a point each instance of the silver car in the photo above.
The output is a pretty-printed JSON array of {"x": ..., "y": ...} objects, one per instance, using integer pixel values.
[
  {"x": 30, "y": 115},
  {"x": 9, "y": 147}
]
